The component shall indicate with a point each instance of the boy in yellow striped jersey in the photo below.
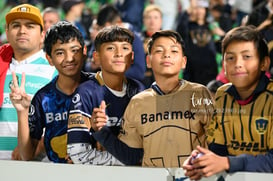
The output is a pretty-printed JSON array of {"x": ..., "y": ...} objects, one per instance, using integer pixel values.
[{"x": 240, "y": 135}]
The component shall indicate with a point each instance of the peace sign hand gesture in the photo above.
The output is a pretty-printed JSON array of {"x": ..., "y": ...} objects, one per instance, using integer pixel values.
[{"x": 20, "y": 100}]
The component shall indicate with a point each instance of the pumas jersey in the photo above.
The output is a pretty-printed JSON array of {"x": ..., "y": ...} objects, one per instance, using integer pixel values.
[
  {"x": 168, "y": 127},
  {"x": 82, "y": 148},
  {"x": 244, "y": 127},
  {"x": 49, "y": 111}
]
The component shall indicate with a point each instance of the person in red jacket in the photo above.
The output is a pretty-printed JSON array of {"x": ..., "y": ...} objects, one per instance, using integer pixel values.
[{"x": 6, "y": 53}]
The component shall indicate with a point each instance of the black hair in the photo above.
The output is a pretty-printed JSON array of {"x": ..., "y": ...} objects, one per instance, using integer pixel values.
[
  {"x": 247, "y": 33},
  {"x": 111, "y": 34},
  {"x": 108, "y": 13},
  {"x": 166, "y": 33},
  {"x": 63, "y": 31},
  {"x": 67, "y": 4}
]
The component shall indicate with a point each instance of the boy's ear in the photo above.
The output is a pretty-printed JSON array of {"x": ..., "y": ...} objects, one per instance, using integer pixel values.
[
  {"x": 84, "y": 51},
  {"x": 96, "y": 57},
  {"x": 148, "y": 61},
  {"x": 49, "y": 59},
  {"x": 133, "y": 59},
  {"x": 265, "y": 64},
  {"x": 184, "y": 62}
]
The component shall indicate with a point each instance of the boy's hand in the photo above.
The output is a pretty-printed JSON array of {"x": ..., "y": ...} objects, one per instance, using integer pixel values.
[
  {"x": 189, "y": 169},
  {"x": 20, "y": 100},
  {"x": 207, "y": 165},
  {"x": 15, "y": 155},
  {"x": 99, "y": 118}
]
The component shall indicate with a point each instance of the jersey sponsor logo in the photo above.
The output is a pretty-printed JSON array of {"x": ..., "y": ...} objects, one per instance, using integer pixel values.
[
  {"x": 167, "y": 116},
  {"x": 7, "y": 102},
  {"x": 50, "y": 117},
  {"x": 261, "y": 125},
  {"x": 34, "y": 85},
  {"x": 31, "y": 110},
  {"x": 78, "y": 120},
  {"x": 76, "y": 100},
  {"x": 245, "y": 146},
  {"x": 113, "y": 121}
]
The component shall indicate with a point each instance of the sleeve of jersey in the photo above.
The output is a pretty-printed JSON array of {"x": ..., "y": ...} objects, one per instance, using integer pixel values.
[
  {"x": 215, "y": 129},
  {"x": 128, "y": 147},
  {"x": 81, "y": 146},
  {"x": 36, "y": 118},
  {"x": 250, "y": 163},
  {"x": 126, "y": 154},
  {"x": 129, "y": 132}
]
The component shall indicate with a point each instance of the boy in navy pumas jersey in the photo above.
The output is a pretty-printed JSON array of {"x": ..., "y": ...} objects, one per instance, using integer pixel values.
[
  {"x": 163, "y": 124},
  {"x": 241, "y": 132},
  {"x": 113, "y": 51},
  {"x": 65, "y": 49}
]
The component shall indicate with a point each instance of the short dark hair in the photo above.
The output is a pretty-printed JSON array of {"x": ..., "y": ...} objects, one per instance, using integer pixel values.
[
  {"x": 247, "y": 33},
  {"x": 68, "y": 4},
  {"x": 166, "y": 33},
  {"x": 107, "y": 14},
  {"x": 63, "y": 31},
  {"x": 111, "y": 34}
]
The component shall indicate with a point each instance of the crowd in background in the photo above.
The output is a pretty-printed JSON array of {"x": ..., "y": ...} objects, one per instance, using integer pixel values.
[{"x": 201, "y": 23}]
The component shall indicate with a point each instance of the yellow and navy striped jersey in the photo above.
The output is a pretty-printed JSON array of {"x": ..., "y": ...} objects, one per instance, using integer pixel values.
[{"x": 244, "y": 128}]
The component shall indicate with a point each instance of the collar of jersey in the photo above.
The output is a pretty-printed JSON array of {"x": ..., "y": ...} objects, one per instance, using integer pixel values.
[
  {"x": 100, "y": 79},
  {"x": 261, "y": 87},
  {"x": 157, "y": 89},
  {"x": 30, "y": 58}
]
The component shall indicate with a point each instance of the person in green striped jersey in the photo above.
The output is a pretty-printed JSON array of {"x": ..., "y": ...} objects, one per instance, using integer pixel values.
[{"x": 24, "y": 30}]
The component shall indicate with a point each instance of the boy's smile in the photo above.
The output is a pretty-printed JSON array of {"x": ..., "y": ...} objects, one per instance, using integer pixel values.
[
  {"x": 242, "y": 65},
  {"x": 115, "y": 56},
  {"x": 67, "y": 57}
]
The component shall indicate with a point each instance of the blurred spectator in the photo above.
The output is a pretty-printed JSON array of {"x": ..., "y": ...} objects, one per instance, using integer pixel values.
[
  {"x": 130, "y": 11},
  {"x": 90, "y": 64},
  {"x": 241, "y": 9},
  {"x": 50, "y": 17},
  {"x": 220, "y": 24},
  {"x": 260, "y": 13},
  {"x": 266, "y": 29},
  {"x": 170, "y": 11},
  {"x": 200, "y": 48},
  {"x": 152, "y": 20},
  {"x": 52, "y": 3},
  {"x": 86, "y": 21},
  {"x": 109, "y": 15},
  {"x": 73, "y": 11}
]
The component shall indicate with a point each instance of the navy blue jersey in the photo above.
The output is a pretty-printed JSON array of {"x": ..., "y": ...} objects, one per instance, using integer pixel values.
[
  {"x": 49, "y": 110},
  {"x": 82, "y": 148}
]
